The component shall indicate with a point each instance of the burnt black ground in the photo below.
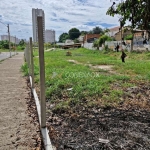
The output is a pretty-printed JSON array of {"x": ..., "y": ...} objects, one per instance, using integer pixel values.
[{"x": 126, "y": 127}]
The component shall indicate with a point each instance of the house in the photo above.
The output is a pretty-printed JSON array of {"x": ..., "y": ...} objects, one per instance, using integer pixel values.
[
  {"x": 69, "y": 44},
  {"x": 112, "y": 31},
  {"x": 139, "y": 35},
  {"x": 90, "y": 38},
  {"x": 81, "y": 38},
  {"x": 122, "y": 33},
  {"x": 68, "y": 41}
]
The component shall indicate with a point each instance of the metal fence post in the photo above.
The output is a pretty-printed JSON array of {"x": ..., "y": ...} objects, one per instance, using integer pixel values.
[
  {"x": 42, "y": 71},
  {"x": 32, "y": 63}
]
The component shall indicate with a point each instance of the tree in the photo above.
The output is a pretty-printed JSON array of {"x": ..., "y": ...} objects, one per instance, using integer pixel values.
[
  {"x": 97, "y": 30},
  {"x": 74, "y": 33},
  {"x": 103, "y": 38},
  {"x": 96, "y": 44},
  {"x": 22, "y": 43},
  {"x": 63, "y": 37},
  {"x": 84, "y": 32},
  {"x": 4, "y": 44},
  {"x": 135, "y": 11}
]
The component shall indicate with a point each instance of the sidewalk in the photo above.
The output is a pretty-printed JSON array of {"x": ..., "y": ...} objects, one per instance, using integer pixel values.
[{"x": 16, "y": 129}]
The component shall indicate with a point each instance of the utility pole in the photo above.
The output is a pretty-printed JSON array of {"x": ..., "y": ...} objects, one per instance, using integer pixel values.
[
  {"x": 9, "y": 39},
  {"x": 15, "y": 46}
]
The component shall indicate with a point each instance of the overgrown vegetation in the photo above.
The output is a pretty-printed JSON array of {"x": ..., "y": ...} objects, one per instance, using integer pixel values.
[
  {"x": 72, "y": 81},
  {"x": 74, "y": 33},
  {"x": 4, "y": 45}
]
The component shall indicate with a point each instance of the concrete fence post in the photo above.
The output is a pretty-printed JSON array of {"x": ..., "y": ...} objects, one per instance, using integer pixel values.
[
  {"x": 32, "y": 62},
  {"x": 42, "y": 71},
  {"x": 29, "y": 53},
  {"x": 25, "y": 58},
  {"x": 28, "y": 58}
]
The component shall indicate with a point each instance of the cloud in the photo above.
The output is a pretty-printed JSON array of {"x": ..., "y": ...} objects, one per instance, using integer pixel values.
[
  {"x": 26, "y": 24},
  {"x": 60, "y": 15}
]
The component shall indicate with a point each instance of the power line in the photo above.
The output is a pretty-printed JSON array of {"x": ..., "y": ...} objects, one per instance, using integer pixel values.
[{"x": 3, "y": 24}]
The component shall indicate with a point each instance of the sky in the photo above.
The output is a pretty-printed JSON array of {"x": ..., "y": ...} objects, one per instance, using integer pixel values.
[{"x": 60, "y": 15}]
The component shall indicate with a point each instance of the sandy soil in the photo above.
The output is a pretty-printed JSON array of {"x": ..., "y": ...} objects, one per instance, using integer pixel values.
[
  {"x": 103, "y": 67},
  {"x": 17, "y": 128}
]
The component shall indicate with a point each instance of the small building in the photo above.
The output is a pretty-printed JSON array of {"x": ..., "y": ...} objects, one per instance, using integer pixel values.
[
  {"x": 68, "y": 41},
  {"x": 81, "y": 38},
  {"x": 90, "y": 38},
  {"x": 122, "y": 33},
  {"x": 112, "y": 31},
  {"x": 69, "y": 44}
]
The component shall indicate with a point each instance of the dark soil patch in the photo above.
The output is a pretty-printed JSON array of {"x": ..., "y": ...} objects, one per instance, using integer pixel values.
[{"x": 124, "y": 128}]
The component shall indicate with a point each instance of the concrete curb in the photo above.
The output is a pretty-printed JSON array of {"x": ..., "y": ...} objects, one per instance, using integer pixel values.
[{"x": 44, "y": 131}]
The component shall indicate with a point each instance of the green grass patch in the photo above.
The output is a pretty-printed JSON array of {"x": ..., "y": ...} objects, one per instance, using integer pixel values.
[
  {"x": 69, "y": 84},
  {"x": 24, "y": 69}
]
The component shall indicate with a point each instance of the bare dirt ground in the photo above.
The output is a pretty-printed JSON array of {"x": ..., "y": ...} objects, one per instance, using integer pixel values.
[
  {"x": 103, "y": 67},
  {"x": 124, "y": 127},
  {"x": 19, "y": 128}
]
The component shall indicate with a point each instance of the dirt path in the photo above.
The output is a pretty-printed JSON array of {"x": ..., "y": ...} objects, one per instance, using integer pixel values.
[
  {"x": 103, "y": 67},
  {"x": 16, "y": 129}
]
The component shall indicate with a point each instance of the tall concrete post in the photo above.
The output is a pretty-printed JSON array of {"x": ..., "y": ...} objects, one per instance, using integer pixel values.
[
  {"x": 32, "y": 62},
  {"x": 42, "y": 71}
]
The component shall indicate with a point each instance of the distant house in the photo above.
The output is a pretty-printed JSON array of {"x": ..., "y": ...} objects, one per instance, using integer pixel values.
[
  {"x": 90, "y": 38},
  {"x": 112, "y": 31},
  {"x": 69, "y": 44},
  {"x": 81, "y": 38},
  {"x": 138, "y": 34},
  {"x": 122, "y": 33},
  {"x": 68, "y": 41}
]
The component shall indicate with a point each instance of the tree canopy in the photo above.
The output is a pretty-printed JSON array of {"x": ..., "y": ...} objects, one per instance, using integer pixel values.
[
  {"x": 97, "y": 30},
  {"x": 22, "y": 43},
  {"x": 74, "y": 33},
  {"x": 4, "y": 44},
  {"x": 63, "y": 37},
  {"x": 135, "y": 11}
]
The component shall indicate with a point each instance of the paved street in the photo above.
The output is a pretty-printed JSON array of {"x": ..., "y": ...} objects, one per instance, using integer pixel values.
[{"x": 5, "y": 55}]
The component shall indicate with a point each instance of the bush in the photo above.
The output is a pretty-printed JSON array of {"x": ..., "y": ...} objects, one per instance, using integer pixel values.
[
  {"x": 68, "y": 53},
  {"x": 24, "y": 69},
  {"x": 20, "y": 47},
  {"x": 129, "y": 37}
]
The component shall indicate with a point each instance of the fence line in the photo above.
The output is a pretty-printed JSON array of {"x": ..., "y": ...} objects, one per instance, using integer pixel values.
[{"x": 40, "y": 105}]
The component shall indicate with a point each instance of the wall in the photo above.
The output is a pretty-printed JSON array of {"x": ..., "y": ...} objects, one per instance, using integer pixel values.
[
  {"x": 89, "y": 46},
  {"x": 113, "y": 44}
]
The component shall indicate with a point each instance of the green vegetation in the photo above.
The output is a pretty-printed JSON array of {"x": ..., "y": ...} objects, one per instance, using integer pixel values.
[
  {"x": 24, "y": 69},
  {"x": 4, "y": 46},
  {"x": 98, "y": 43},
  {"x": 74, "y": 33},
  {"x": 77, "y": 79},
  {"x": 139, "y": 16},
  {"x": 129, "y": 37}
]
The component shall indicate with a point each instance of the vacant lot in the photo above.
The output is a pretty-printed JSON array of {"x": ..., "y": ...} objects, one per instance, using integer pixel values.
[{"x": 92, "y": 95}]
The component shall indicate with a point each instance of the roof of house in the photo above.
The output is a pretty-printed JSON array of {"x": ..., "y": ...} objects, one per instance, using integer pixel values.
[{"x": 114, "y": 29}]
